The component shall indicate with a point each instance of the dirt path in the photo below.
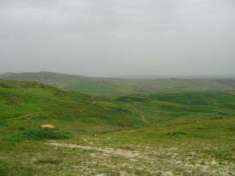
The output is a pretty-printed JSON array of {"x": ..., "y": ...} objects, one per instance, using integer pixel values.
[
  {"x": 25, "y": 116},
  {"x": 141, "y": 114},
  {"x": 109, "y": 151}
]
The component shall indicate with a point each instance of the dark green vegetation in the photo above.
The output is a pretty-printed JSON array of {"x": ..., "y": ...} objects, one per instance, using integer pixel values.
[{"x": 179, "y": 133}]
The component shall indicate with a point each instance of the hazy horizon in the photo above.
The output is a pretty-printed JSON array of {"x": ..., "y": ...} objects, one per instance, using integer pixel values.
[
  {"x": 231, "y": 76},
  {"x": 116, "y": 38}
]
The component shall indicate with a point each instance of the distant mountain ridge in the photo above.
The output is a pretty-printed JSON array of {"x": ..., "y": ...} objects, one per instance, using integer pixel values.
[
  {"x": 40, "y": 76},
  {"x": 122, "y": 86}
]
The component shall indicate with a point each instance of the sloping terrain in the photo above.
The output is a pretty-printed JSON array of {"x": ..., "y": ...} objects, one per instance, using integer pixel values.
[
  {"x": 180, "y": 133},
  {"x": 116, "y": 87}
]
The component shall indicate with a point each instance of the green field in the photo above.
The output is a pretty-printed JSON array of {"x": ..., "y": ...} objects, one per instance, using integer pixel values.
[{"x": 117, "y": 127}]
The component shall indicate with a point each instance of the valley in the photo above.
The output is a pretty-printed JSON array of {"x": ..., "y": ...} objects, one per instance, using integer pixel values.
[{"x": 151, "y": 133}]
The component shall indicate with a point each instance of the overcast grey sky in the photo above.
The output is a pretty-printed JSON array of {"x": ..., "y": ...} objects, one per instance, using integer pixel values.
[{"x": 118, "y": 37}]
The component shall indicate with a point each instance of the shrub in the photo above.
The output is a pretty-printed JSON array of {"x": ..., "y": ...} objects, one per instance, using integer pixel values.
[
  {"x": 44, "y": 134},
  {"x": 176, "y": 134},
  {"x": 133, "y": 99}
]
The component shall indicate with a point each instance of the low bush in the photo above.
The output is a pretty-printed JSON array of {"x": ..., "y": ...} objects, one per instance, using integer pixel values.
[{"x": 44, "y": 134}]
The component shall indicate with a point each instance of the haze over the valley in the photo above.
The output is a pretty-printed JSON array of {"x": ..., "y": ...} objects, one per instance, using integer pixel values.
[{"x": 118, "y": 37}]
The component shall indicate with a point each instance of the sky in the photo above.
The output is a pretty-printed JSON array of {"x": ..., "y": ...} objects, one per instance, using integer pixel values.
[{"x": 118, "y": 37}]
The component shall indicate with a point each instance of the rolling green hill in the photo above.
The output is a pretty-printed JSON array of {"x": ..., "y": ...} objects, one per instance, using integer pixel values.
[
  {"x": 117, "y": 87},
  {"x": 156, "y": 133}
]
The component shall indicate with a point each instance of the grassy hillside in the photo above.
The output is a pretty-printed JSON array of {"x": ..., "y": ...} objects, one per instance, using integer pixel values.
[
  {"x": 117, "y": 87},
  {"x": 165, "y": 133}
]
